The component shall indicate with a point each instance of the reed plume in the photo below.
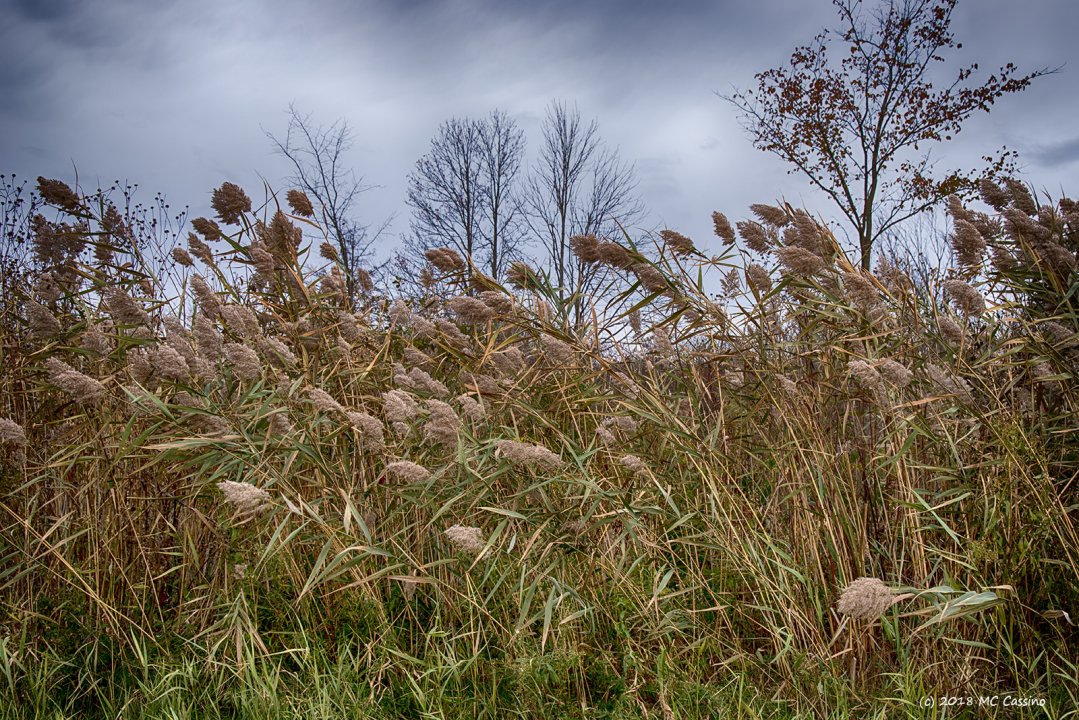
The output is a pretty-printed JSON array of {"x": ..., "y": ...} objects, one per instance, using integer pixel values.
[
  {"x": 230, "y": 202},
  {"x": 529, "y": 455},
  {"x": 469, "y": 539},
  {"x": 245, "y": 498},
  {"x": 865, "y": 599},
  {"x": 407, "y": 471},
  {"x": 12, "y": 433},
  {"x": 82, "y": 388}
]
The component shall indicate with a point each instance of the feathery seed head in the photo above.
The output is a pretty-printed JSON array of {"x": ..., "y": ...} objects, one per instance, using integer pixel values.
[
  {"x": 399, "y": 406},
  {"x": 43, "y": 324},
  {"x": 770, "y": 214},
  {"x": 445, "y": 259},
  {"x": 957, "y": 210},
  {"x": 949, "y": 330},
  {"x": 722, "y": 227},
  {"x": 522, "y": 277},
  {"x": 993, "y": 195},
  {"x": 139, "y": 366},
  {"x": 169, "y": 364},
  {"x": 123, "y": 308},
  {"x": 209, "y": 229},
  {"x": 1020, "y": 196},
  {"x": 443, "y": 426},
  {"x": 799, "y": 261},
  {"x": 370, "y": 428},
  {"x": 451, "y": 333},
  {"x": 209, "y": 339},
  {"x": 732, "y": 285},
  {"x": 678, "y": 243},
  {"x": 230, "y": 202},
  {"x": 82, "y": 388},
  {"x": 865, "y": 598},
  {"x": 329, "y": 252},
  {"x": 480, "y": 383},
  {"x": 556, "y": 351},
  {"x": 896, "y": 373},
  {"x": 211, "y": 425},
  {"x": 245, "y": 498},
  {"x": 497, "y": 301},
  {"x": 182, "y": 257},
  {"x": 59, "y": 194},
  {"x": 651, "y": 279},
  {"x": 585, "y": 248},
  {"x": 264, "y": 262},
  {"x": 47, "y": 288},
  {"x": 1058, "y": 336},
  {"x": 865, "y": 374},
  {"x": 244, "y": 361},
  {"x": 277, "y": 352},
  {"x": 323, "y": 401},
  {"x": 240, "y": 320},
  {"x": 96, "y": 341},
  {"x": 968, "y": 243},
  {"x": 333, "y": 283},
  {"x": 300, "y": 203},
  {"x": 966, "y": 299},
  {"x": 947, "y": 382},
  {"x": 12, "y": 433},
  {"x": 407, "y": 471},
  {"x": 205, "y": 297},
  {"x": 861, "y": 291},
  {"x": 634, "y": 464},
  {"x": 808, "y": 233},
  {"x": 417, "y": 358},
  {"x": 470, "y": 310},
  {"x": 471, "y": 408},
  {"x": 614, "y": 255},
  {"x": 348, "y": 327},
  {"x": 469, "y": 539},
  {"x": 525, "y": 454},
  {"x": 280, "y": 424},
  {"x": 200, "y": 249},
  {"x": 755, "y": 236},
  {"x": 758, "y": 278}
]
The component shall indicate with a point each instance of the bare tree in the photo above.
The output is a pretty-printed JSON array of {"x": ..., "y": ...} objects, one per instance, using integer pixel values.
[
  {"x": 920, "y": 248},
  {"x": 502, "y": 148},
  {"x": 462, "y": 192},
  {"x": 857, "y": 126},
  {"x": 445, "y": 191},
  {"x": 578, "y": 187},
  {"x": 317, "y": 154}
]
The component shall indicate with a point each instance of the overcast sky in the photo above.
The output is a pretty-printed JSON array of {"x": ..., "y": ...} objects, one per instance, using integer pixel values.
[{"x": 176, "y": 94}]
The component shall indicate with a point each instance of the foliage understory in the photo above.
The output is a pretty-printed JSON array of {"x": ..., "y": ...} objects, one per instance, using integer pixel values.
[{"x": 244, "y": 493}]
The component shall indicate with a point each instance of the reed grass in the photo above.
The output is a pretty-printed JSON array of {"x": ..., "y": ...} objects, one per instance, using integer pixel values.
[{"x": 801, "y": 499}]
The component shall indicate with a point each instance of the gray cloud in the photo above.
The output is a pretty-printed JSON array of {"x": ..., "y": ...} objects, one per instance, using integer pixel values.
[
  {"x": 31, "y": 10},
  {"x": 1058, "y": 154},
  {"x": 176, "y": 95}
]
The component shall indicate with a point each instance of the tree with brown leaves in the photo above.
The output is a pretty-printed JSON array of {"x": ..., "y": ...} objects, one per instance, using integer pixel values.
[{"x": 857, "y": 121}]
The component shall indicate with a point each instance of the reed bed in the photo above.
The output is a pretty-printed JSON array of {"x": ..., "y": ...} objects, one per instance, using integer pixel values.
[{"x": 823, "y": 492}]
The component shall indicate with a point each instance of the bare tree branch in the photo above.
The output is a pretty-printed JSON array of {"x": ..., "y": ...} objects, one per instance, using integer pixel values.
[
  {"x": 577, "y": 187},
  {"x": 317, "y": 154},
  {"x": 463, "y": 192}
]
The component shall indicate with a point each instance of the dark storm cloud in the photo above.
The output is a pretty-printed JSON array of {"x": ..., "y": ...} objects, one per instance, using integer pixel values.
[
  {"x": 44, "y": 10},
  {"x": 1058, "y": 154},
  {"x": 176, "y": 95}
]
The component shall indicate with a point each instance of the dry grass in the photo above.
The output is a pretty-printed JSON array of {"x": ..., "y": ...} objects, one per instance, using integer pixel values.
[{"x": 652, "y": 523}]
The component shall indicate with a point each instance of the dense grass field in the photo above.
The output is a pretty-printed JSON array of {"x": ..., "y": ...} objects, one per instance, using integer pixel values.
[{"x": 230, "y": 490}]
